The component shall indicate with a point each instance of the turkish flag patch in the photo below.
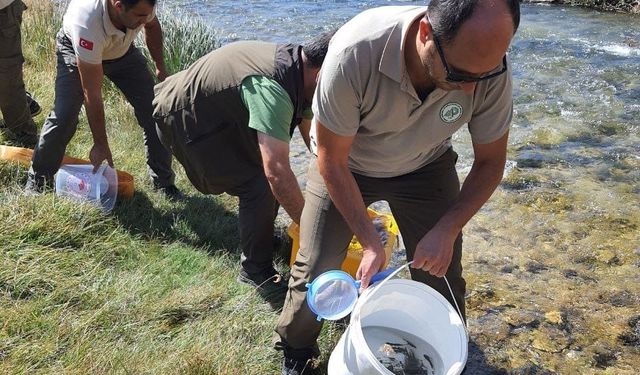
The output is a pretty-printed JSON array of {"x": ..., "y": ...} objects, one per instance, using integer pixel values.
[{"x": 86, "y": 44}]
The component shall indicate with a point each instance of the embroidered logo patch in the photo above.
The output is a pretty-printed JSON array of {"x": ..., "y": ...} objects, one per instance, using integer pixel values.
[
  {"x": 86, "y": 44},
  {"x": 450, "y": 112}
]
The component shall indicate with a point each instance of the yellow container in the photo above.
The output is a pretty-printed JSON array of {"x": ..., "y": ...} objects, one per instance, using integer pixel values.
[{"x": 386, "y": 227}]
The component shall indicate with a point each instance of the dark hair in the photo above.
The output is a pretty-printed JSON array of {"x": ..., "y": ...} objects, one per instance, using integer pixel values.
[
  {"x": 128, "y": 4},
  {"x": 315, "y": 49},
  {"x": 446, "y": 16}
]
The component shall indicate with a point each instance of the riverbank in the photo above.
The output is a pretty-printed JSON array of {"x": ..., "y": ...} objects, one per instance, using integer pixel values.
[
  {"x": 623, "y": 6},
  {"x": 552, "y": 261}
]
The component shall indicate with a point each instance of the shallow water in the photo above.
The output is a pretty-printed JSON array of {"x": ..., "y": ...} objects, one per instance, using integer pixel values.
[
  {"x": 552, "y": 261},
  {"x": 403, "y": 353}
]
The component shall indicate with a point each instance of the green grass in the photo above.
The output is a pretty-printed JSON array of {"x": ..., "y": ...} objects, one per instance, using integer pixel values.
[{"x": 147, "y": 289}]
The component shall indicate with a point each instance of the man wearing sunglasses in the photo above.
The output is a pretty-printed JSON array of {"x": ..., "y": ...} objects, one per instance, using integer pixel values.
[{"x": 396, "y": 84}]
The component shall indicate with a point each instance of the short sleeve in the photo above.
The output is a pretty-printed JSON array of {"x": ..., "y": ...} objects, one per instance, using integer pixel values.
[
  {"x": 492, "y": 117},
  {"x": 86, "y": 44},
  {"x": 336, "y": 103},
  {"x": 270, "y": 108}
]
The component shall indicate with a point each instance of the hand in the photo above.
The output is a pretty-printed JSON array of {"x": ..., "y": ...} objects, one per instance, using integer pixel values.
[
  {"x": 372, "y": 262},
  {"x": 162, "y": 74},
  {"x": 434, "y": 252},
  {"x": 98, "y": 154}
]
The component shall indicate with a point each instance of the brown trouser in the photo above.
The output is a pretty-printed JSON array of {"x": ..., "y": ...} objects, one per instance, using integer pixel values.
[
  {"x": 417, "y": 201},
  {"x": 13, "y": 98}
]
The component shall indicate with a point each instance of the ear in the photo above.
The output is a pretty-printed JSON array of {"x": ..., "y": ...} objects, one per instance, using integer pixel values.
[
  {"x": 424, "y": 30},
  {"x": 118, "y": 5}
]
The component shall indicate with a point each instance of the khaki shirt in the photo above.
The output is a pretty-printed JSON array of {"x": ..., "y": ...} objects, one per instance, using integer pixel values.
[{"x": 364, "y": 91}]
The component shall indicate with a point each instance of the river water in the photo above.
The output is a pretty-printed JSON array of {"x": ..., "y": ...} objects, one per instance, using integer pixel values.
[{"x": 553, "y": 260}]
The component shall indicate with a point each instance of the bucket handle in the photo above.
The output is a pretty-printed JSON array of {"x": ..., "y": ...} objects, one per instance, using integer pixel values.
[
  {"x": 96, "y": 179},
  {"x": 391, "y": 273}
]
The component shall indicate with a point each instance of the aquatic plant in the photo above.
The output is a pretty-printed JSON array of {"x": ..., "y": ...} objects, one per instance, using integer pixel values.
[{"x": 186, "y": 39}]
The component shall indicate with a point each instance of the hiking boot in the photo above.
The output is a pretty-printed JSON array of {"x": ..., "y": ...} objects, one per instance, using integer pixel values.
[
  {"x": 171, "y": 192},
  {"x": 269, "y": 283},
  {"x": 34, "y": 107},
  {"x": 297, "y": 366}
]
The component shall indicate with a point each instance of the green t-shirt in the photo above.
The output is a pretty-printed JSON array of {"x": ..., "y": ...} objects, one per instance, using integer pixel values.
[{"x": 269, "y": 105}]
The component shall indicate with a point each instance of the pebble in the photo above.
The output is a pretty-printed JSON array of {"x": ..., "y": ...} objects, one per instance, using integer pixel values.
[
  {"x": 604, "y": 358},
  {"x": 535, "y": 267},
  {"x": 632, "y": 336},
  {"x": 508, "y": 268}
]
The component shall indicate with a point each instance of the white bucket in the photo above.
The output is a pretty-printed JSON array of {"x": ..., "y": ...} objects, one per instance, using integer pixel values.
[
  {"x": 401, "y": 312},
  {"x": 79, "y": 182}
]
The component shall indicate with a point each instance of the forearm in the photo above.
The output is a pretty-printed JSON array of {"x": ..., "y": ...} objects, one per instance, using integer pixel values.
[
  {"x": 284, "y": 186},
  {"x": 154, "y": 39},
  {"x": 347, "y": 198},
  {"x": 95, "y": 115}
]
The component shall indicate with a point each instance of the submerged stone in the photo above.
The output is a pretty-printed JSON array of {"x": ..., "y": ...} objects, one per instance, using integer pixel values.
[
  {"x": 608, "y": 256},
  {"x": 491, "y": 328},
  {"x": 535, "y": 267},
  {"x": 604, "y": 358},
  {"x": 518, "y": 180},
  {"x": 531, "y": 369},
  {"x": 632, "y": 336},
  {"x": 522, "y": 320},
  {"x": 550, "y": 339},
  {"x": 554, "y": 317},
  {"x": 508, "y": 268},
  {"x": 619, "y": 298},
  {"x": 569, "y": 273}
]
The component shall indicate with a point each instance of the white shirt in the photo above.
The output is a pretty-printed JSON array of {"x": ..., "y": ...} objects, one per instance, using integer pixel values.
[
  {"x": 5, "y": 3},
  {"x": 95, "y": 39}
]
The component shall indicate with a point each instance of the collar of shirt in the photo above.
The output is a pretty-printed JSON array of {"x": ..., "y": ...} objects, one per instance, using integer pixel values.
[{"x": 392, "y": 63}]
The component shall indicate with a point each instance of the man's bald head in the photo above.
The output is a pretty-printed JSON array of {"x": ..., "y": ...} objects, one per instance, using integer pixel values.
[{"x": 448, "y": 16}]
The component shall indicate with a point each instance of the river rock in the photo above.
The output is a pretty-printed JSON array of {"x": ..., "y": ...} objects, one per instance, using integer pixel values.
[
  {"x": 573, "y": 354},
  {"x": 535, "y": 267},
  {"x": 608, "y": 256},
  {"x": 554, "y": 317},
  {"x": 573, "y": 274},
  {"x": 604, "y": 357},
  {"x": 509, "y": 268},
  {"x": 569, "y": 273},
  {"x": 620, "y": 298},
  {"x": 490, "y": 328},
  {"x": 481, "y": 294},
  {"x": 550, "y": 339},
  {"x": 522, "y": 320},
  {"x": 632, "y": 336},
  {"x": 531, "y": 369}
]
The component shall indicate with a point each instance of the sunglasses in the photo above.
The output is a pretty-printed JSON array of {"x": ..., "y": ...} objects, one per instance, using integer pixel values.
[{"x": 455, "y": 77}]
